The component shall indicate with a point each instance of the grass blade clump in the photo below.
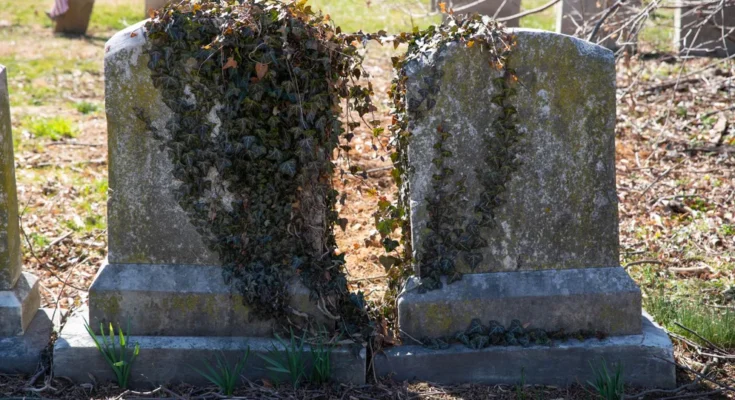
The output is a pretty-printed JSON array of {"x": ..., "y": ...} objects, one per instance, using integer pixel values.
[
  {"x": 116, "y": 352},
  {"x": 290, "y": 360},
  {"x": 221, "y": 374},
  {"x": 609, "y": 386}
]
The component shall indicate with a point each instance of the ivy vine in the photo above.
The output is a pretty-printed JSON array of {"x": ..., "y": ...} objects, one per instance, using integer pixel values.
[{"x": 255, "y": 87}]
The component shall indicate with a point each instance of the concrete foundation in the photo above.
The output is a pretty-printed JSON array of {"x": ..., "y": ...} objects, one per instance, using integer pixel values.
[
  {"x": 598, "y": 299},
  {"x": 647, "y": 361},
  {"x": 170, "y": 360},
  {"x": 20, "y": 354},
  {"x": 180, "y": 300},
  {"x": 703, "y": 32}
]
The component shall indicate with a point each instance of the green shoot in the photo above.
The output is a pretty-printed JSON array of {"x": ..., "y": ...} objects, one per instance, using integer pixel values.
[
  {"x": 321, "y": 364},
  {"x": 290, "y": 361},
  {"x": 608, "y": 387},
  {"x": 115, "y": 352},
  {"x": 221, "y": 375}
]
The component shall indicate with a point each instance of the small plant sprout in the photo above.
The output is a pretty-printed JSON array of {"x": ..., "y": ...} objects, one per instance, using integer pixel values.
[
  {"x": 290, "y": 360},
  {"x": 221, "y": 374},
  {"x": 608, "y": 386},
  {"x": 321, "y": 360},
  {"x": 116, "y": 352}
]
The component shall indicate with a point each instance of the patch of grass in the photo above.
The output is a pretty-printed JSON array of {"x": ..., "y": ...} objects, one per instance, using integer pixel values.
[
  {"x": 108, "y": 16},
  {"x": 116, "y": 351},
  {"x": 727, "y": 230},
  {"x": 54, "y": 128},
  {"x": 393, "y": 16},
  {"x": 86, "y": 107},
  {"x": 608, "y": 385},
  {"x": 545, "y": 20},
  {"x": 24, "y": 13},
  {"x": 289, "y": 360},
  {"x": 714, "y": 324},
  {"x": 39, "y": 241}
]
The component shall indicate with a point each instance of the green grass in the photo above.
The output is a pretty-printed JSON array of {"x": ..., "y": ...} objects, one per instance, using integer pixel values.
[
  {"x": 86, "y": 107},
  {"x": 714, "y": 324},
  {"x": 55, "y": 128},
  {"x": 106, "y": 17},
  {"x": 393, "y": 16},
  {"x": 545, "y": 20}
]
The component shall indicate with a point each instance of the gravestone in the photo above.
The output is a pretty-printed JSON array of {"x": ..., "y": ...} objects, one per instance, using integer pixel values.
[
  {"x": 487, "y": 7},
  {"x": 154, "y": 5},
  {"x": 705, "y": 30},
  {"x": 578, "y": 18},
  {"x": 24, "y": 332},
  {"x": 538, "y": 251},
  {"x": 162, "y": 282},
  {"x": 76, "y": 20}
]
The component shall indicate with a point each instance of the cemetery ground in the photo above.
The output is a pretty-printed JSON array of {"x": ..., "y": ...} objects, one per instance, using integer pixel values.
[{"x": 675, "y": 174}]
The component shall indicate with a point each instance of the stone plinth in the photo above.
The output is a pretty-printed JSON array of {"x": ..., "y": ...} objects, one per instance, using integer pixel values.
[
  {"x": 528, "y": 216},
  {"x": 76, "y": 20},
  {"x": 578, "y": 18},
  {"x": 170, "y": 360},
  {"x": 646, "y": 359},
  {"x": 23, "y": 334},
  {"x": 700, "y": 31}
]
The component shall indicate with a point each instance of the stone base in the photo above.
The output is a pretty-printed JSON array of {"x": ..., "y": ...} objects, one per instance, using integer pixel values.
[
  {"x": 180, "y": 300},
  {"x": 21, "y": 354},
  {"x": 604, "y": 299},
  {"x": 647, "y": 361},
  {"x": 169, "y": 360},
  {"x": 19, "y": 305}
]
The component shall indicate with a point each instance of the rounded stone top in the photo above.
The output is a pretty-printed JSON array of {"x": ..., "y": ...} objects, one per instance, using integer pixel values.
[{"x": 131, "y": 37}]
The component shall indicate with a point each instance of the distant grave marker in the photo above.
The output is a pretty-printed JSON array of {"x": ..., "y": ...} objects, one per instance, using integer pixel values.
[
  {"x": 706, "y": 30},
  {"x": 76, "y": 20}
]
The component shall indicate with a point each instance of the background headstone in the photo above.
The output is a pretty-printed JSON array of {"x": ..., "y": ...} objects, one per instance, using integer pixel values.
[
  {"x": 701, "y": 31},
  {"x": 76, "y": 20},
  {"x": 578, "y": 18},
  {"x": 154, "y": 4},
  {"x": 24, "y": 331},
  {"x": 487, "y": 7}
]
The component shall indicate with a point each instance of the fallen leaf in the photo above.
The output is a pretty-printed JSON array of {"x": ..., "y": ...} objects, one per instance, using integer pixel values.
[
  {"x": 231, "y": 63},
  {"x": 260, "y": 70},
  {"x": 133, "y": 34}
]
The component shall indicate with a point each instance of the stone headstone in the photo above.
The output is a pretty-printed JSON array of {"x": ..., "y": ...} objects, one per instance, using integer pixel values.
[
  {"x": 154, "y": 5},
  {"x": 23, "y": 333},
  {"x": 76, "y": 20},
  {"x": 705, "y": 31},
  {"x": 532, "y": 219},
  {"x": 162, "y": 282},
  {"x": 578, "y": 18},
  {"x": 488, "y": 7}
]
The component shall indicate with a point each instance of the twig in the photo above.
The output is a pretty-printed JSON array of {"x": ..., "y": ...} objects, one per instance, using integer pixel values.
[
  {"x": 630, "y": 264},
  {"x": 604, "y": 17},
  {"x": 714, "y": 346},
  {"x": 689, "y": 395},
  {"x": 711, "y": 113},
  {"x": 528, "y": 12},
  {"x": 369, "y": 278},
  {"x": 56, "y": 241},
  {"x": 705, "y": 377}
]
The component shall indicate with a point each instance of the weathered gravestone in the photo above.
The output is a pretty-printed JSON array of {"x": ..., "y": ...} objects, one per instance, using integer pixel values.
[
  {"x": 24, "y": 331},
  {"x": 579, "y": 17},
  {"x": 76, "y": 20},
  {"x": 161, "y": 281},
  {"x": 503, "y": 8},
  {"x": 705, "y": 30},
  {"x": 534, "y": 223},
  {"x": 154, "y": 5}
]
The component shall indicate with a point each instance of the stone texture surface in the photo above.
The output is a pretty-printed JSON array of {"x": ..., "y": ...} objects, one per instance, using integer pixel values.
[
  {"x": 604, "y": 299},
  {"x": 19, "y": 305},
  {"x": 20, "y": 354},
  {"x": 647, "y": 360},
  {"x": 146, "y": 223},
  {"x": 562, "y": 211},
  {"x": 578, "y": 18},
  {"x": 695, "y": 37},
  {"x": 488, "y": 7},
  {"x": 10, "y": 264},
  {"x": 166, "y": 360},
  {"x": 76, "y": 20},
  {"x": 179, "y": 300}
]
